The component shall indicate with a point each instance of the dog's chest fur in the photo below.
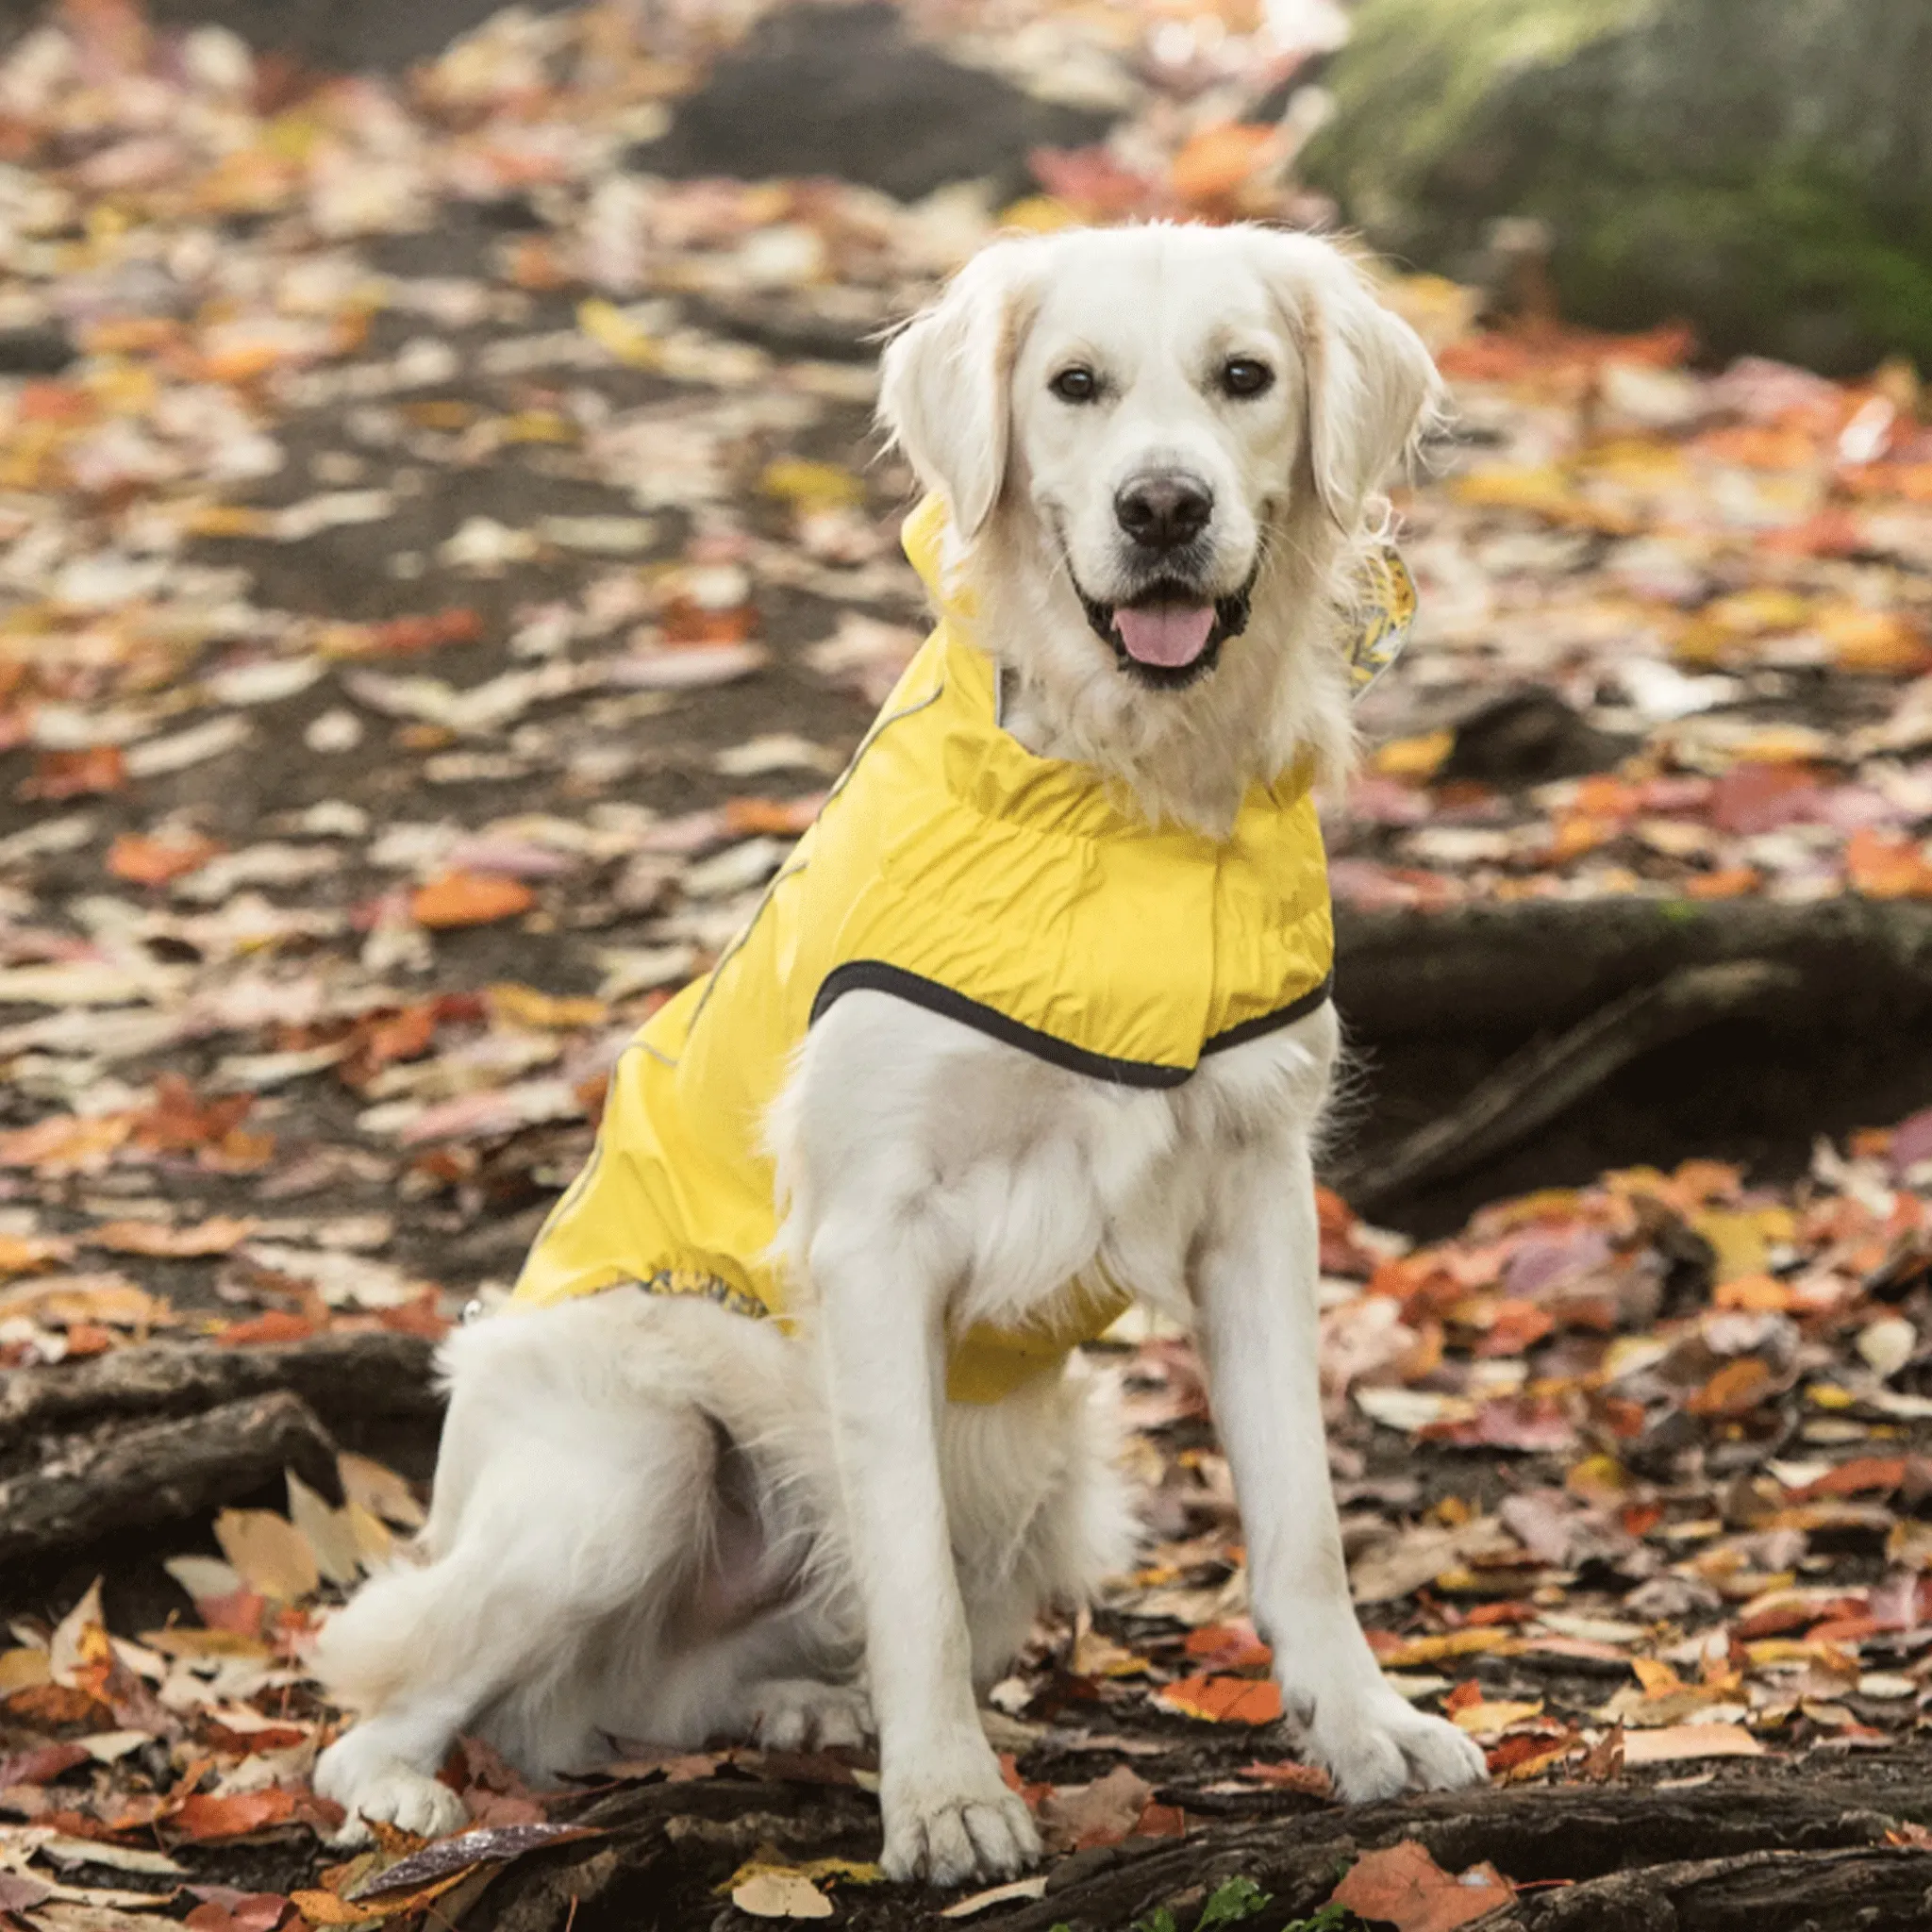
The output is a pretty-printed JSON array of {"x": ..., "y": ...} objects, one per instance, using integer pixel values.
[{"x": 1023, "y": 1179}]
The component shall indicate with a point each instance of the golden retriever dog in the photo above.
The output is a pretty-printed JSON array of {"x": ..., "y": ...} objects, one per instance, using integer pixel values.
[{"x": 1035, "y": 1021}]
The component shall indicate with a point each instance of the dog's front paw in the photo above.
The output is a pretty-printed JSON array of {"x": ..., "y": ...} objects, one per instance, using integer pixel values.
[
  {"x": 950, "y": 1829},
  {"x": 1372, "y": 1745},
  {"x": 370, "y": 1785}
]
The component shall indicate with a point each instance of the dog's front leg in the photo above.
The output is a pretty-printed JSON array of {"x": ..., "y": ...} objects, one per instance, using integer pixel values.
[
  {"x": 948, "y": 1814},
  {"x": 1255, "y": 1290}
]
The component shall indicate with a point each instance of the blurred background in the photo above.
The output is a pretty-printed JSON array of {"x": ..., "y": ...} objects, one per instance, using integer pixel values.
[{"x": 444, "y": 556}]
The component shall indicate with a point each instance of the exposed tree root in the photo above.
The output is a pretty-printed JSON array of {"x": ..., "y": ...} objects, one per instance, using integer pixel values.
[
  {"x": 1518, "y": 966},
  {"x": 338, "y": 1377},
  {"x": 1547, "y": 1078},
  {"x": 160, "y": 1472},
  {"x": 1752, "y": 1853}
]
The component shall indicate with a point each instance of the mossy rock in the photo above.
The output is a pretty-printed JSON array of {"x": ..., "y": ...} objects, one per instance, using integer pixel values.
[{"x": 1762, "y": 168}]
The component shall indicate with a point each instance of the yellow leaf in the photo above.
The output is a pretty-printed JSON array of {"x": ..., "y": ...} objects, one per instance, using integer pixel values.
[
  {"x": 1742, "y": 1239},
  {"x": 812, "y": 485},
  {"x": 20, "y": 1669},
  {"x": 1597, "y": 1479},
  {"x": 608, "y": 324},
  {"x": 508, "y": 1000},
  {"x": 1037, "y": 214},
  {"x": 1486, "y": 1720},
  {"x": 1413, "y": 758},
  {"x": 1431, "y": 1650},
  {"x": 272, "y": 1554},
  {"x": 380, "y": 1490}
]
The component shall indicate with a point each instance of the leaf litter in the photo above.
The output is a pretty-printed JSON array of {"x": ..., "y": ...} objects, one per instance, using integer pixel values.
[{"x": 1634, "y": 1473}]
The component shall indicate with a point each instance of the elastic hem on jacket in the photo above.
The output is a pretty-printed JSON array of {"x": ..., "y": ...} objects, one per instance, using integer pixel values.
[
  {"x": 875, "y": 976},
  {"x": 1272, "y": 1023}
]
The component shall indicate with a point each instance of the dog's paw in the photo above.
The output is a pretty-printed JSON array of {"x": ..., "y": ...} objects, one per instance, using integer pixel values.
[
  {"x": 386, "y": 1790},
  {"x": 949, "y": 1830},
  {"x": 800, "y": 1713},
  {"x": 1374, "y": 1745}
]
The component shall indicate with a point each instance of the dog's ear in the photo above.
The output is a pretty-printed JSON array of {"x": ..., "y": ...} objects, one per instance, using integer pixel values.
[
  {"x": 1370, "y": 383},
  {"x": 944, "y": 382}
]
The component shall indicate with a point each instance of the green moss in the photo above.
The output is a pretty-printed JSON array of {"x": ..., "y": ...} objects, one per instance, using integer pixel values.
[{"x": 1765, "y": 172}]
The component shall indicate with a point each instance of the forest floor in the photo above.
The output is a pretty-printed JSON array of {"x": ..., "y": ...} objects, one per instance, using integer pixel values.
[{"x": 442, "y": 566}]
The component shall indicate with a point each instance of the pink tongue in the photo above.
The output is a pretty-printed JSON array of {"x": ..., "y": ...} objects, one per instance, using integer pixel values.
[{"x": 1166, "y": 634}]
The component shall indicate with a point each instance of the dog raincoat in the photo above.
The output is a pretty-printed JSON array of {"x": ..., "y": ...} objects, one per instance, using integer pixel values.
[{"x": 950, "y": 867}]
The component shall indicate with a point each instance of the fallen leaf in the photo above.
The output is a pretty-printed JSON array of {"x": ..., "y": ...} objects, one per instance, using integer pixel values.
[
  {"x": 1678, "y": 1744},
  {"x": 1223, "y": 1700},
  {"x": 271, "y": 1554},
  {"x": 769, "y": 1894},
  {"x": 1405, "y": 1888},
  {"x": 467, "y": 898}
]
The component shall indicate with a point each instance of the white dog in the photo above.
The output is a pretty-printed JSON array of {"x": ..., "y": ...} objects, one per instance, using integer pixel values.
[{"x": 1036, "y": 1015}]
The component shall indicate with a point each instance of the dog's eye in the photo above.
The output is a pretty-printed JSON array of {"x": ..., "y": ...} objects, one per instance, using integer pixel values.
[
  {"x": 1242, "y": 375},
  {"x": 1075, "y": 385}
]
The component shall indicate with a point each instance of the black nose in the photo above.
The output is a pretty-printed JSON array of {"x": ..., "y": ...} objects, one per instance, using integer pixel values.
[{"x": 1164, "y": 512}]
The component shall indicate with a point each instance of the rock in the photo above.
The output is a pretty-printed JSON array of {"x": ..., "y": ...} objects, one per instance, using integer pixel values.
[
  {"x": 844, "y": 91},
  {"x": 1763, "y": 171},
  {"x": 1529, "y": 737}
]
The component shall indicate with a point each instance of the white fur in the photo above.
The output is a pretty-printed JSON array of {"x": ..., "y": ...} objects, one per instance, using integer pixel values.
[{"x": 656, "y": 1519}]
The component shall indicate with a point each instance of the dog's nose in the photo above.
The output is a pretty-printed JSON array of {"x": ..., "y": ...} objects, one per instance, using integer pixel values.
[{"x": 1162, "y": 512}]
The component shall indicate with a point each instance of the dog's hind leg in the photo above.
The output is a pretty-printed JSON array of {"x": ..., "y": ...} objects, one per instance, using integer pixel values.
[{"x": 585, "y": 1523}]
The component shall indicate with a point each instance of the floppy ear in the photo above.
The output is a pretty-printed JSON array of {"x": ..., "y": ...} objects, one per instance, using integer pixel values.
[
  {"x": 1370, "y": 383},
  {"x": 943, "y": 384}
]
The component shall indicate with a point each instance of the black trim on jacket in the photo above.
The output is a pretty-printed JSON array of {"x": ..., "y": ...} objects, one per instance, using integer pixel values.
[{"x": 875, "y": 976}]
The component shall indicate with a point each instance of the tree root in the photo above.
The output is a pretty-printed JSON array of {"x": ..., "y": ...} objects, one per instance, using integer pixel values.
[
  {"x": 1747, "y": 1853},
  {"x": 1515, "y": 967},
  {"x": 161, "y": 1471},
  {"x": 338, "y": 1377},
  {"x": 1546, "y": 1079}
]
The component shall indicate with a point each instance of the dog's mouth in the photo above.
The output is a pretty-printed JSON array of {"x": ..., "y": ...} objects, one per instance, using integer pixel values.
[{"x": 1167, "y": 635}]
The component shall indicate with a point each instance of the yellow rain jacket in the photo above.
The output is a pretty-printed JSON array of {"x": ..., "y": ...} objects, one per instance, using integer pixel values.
[{"x": 953, "y": 868}]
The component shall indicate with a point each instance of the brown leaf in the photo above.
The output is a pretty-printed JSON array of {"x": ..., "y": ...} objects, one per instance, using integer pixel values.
[
  {"x": 204, "y": 1817},
  {"x": 1077, "y": 1817},
  {"x": 454, "y": 1856},
  {"x": 220, "y": 1235},
  {"x": 1405, "y": 1888}
]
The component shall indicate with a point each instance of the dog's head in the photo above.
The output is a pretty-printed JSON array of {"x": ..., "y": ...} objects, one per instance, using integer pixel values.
[{"x": 1162, "y": 403}]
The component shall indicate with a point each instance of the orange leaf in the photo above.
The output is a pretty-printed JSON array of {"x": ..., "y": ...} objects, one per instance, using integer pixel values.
[
  {"x": 1883, "y": 866},
  {"x": 73, "y": 774},
  {"x": 1217, "y": 161},
  {"x": 1737, "y": 1387},
  {"x": 469, "y": 898},
  {"x": 203, "y": 1817},
  {"x": 1223, "y": 1700},
  {"x": 1862, "y": 1472},
  {"x": 1405, "y": 1888},
  {"x": 787, "y": 817},
  {"x": 1229, "y": 1647},
  {"x": 155, "y": 861}
]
